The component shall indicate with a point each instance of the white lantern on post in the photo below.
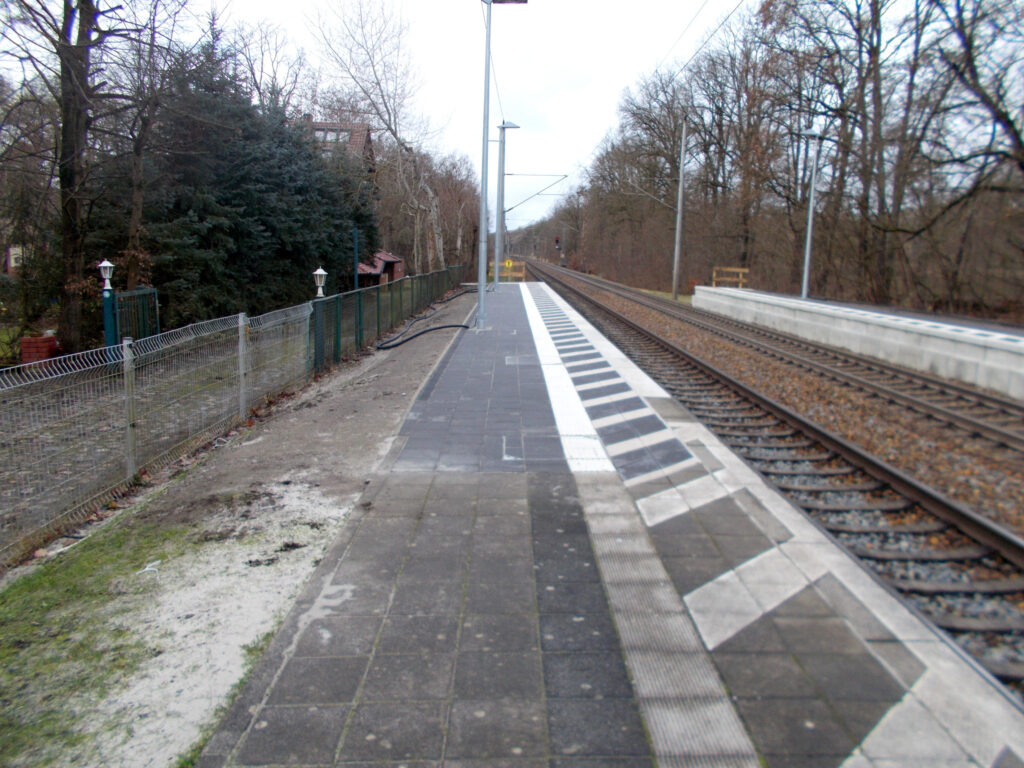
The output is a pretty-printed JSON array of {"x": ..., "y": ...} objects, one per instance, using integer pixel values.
[
  {"x": 106, "y": 272},
  {"x": 319, "y": 277}
]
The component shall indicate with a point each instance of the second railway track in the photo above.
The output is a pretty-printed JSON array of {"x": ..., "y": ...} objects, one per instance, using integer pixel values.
[
  {"x": 961, "y": 570},
  {"x": 983, "y": 414}
]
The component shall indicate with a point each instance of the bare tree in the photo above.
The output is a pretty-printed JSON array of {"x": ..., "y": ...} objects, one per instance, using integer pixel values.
[
  {"x": 453, "y": 177},
  {"x": 28, "y": 196},
  {"x": 59, "y": 45},
  {"x": 884, "y": 105},
  {"x": 982, "y": 44},
  {"x": 280, "y": 79},
  {"x": 366, "y": 45},
  {"x": 140, "y": 68}
]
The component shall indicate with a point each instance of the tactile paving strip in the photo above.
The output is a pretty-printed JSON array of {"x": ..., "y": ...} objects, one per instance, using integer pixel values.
[
  {"x": 821, "y": 673},
  {"x": 635, "y": 438}
]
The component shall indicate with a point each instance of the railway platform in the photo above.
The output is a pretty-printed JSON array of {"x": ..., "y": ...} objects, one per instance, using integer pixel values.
[
  {"x": 558, "y": 566},
  {"x": 973, "y": 352}
]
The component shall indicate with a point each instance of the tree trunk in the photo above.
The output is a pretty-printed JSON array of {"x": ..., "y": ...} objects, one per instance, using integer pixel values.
[
  {"x": 435, "y": 226},
  {"x": 417, "y": 226},
  {"x": 134, "y": 255},
  {"x": 458, "y": 236},
  {"x": 74, "y": 132}
]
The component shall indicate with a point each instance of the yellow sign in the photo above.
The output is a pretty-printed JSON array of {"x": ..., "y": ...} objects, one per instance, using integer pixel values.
[{"x": 508, "y": 262}]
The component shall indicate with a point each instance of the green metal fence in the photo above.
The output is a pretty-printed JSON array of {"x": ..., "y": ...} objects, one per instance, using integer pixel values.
[
  {"x": 138, "y": 313},
  {"x": 346, "y": 322},
  {"x": 77, "y": 429}
]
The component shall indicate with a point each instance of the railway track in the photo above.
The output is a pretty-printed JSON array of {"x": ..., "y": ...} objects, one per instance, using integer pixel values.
[
  {"x": 960, "y": 570},
  {"x": 981, "y": 414}
]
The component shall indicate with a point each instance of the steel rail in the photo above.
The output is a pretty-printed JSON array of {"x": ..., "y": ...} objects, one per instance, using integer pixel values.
[
  {"x": 713, "y": 324},
  {"x": 980, "y": 529},
  {"x": 920, "y": 378}
]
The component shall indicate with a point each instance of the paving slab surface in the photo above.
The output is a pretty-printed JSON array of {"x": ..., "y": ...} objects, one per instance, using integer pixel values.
[{"x": 557, "y": 566}]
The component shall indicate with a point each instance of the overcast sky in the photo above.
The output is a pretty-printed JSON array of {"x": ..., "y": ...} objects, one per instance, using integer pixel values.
[{"x": 559, "y": 69}]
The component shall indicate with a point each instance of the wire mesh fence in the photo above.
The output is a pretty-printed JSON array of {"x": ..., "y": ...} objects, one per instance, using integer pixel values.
[{"x": 76, "y": 430}]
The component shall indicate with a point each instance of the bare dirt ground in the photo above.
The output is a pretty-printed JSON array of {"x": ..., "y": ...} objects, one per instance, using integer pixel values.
[{"x": 265, "y": 503}]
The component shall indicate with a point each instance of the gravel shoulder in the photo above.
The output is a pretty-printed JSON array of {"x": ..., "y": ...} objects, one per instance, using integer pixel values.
[{"x": 260, "y": 507}]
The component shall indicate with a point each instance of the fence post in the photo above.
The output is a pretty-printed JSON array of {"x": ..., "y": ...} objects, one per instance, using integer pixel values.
[
  {"x": 380, "y": 293},
  {"x": 109, "y": 318},
  {"x": 359, "y": 320},
  {"x": 390, "y": 305},
  {"x": 243, "y": 404},
  {"x": 318, "y": 335},
  {"x": 337, "y": 329},
  {"x": 129, "y": 401},
  {"x": 396, "y": 312}
]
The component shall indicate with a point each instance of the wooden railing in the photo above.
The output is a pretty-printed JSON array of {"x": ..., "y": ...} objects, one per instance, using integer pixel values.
[{"x": 730, "y": 277}]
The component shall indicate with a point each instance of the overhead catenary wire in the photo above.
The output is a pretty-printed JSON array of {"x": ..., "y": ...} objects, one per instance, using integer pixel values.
[
  {"x": 693, "y": 56},
  {"x": 708, "y": 39},
  {"x": 685, "y": 30}
]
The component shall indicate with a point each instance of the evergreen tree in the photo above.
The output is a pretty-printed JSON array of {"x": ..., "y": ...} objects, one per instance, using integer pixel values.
[{"x": 244, "y": 206}]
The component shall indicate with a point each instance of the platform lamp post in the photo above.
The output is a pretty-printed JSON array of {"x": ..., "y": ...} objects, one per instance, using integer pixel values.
[
  {"x": 481, "y": 274},
  {"x": 805, "y": 282},
  {"x": 109, "y": 309},
  {"x": 319, "y": 336},
  {"x": 319, "y": 277},
  {"x": 499, "y": 235}
]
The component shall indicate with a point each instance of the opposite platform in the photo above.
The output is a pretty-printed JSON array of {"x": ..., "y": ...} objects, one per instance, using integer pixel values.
[
  {"x": 562, "y": 568},
  {"x": 985, "y": 356}
]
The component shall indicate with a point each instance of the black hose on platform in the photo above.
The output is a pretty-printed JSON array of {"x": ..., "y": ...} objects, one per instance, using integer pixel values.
[
  {"x": 394, "y": 340},
  {"x": 456, "y": 295},
  {"x": 395, "y": 343}
]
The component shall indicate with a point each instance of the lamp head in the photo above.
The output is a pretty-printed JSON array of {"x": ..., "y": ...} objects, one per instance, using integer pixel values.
[{"x": 106, "y": 272}]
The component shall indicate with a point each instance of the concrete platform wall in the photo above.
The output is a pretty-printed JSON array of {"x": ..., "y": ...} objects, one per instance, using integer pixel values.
[{"x": 978, "y": 356}]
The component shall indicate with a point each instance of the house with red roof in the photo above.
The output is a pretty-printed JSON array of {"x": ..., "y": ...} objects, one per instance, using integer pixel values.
[
  {"x": 383, "y": 268},
  {"x": 355, "y": 139}
]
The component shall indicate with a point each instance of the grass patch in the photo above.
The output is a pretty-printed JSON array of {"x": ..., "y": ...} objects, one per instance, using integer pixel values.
[
  {"x": 254, "y": 650},
  {"x": 58, "y": 640}
]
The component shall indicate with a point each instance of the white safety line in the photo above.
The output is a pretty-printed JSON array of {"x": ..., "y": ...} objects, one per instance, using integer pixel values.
[
  {"x": 583, "y": 449},
  {"x": 642, "y": 384}
]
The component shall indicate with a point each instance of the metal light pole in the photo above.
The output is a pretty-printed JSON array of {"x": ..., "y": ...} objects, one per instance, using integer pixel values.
[
  {"x": 678, "y": 250},
  {"x": 481, "y": 274},
  {"x": 499, "y": 236},
  {"x": 109, "y": 310},
  {"x": 810, "y": 215}
]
